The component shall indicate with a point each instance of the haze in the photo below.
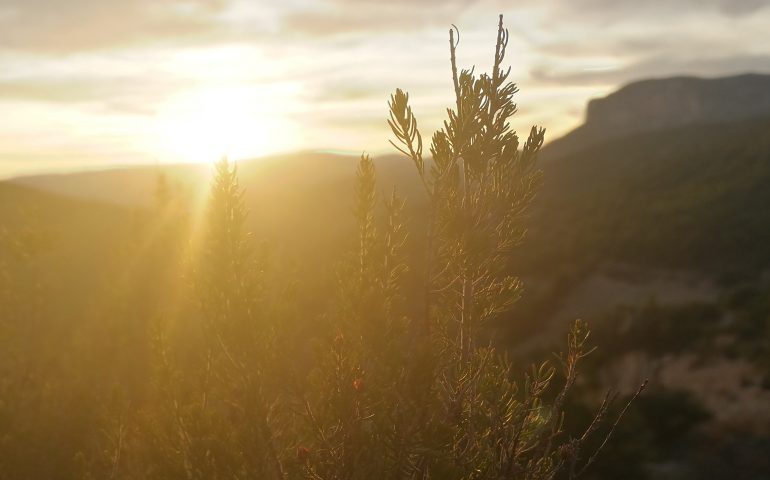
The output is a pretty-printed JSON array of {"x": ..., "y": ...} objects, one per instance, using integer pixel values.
[{"x": 92, "y": 84}]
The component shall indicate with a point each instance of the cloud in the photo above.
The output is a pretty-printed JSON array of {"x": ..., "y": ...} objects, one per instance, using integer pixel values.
[
  {"x": 604, "y": 11},
  {"x": 340, "y": 17},
  {"x": 42, "y": 91},
  {"x": 56, "y": 26},
  {"x": 118, "y": 94},
  {"x": 653, "y": 67},
  {"x": 59, "y": 91},
  {"x": 323, "y": 24},
  {"x": 81, "y": 71}
]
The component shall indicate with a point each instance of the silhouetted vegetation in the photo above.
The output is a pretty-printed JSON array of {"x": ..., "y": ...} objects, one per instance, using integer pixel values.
[
  {"x": 202, "y": 357},
  {"x": 261, "y": 324}
]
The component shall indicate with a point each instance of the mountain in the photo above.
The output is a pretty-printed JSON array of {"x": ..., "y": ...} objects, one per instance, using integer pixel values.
[
  {"x": 663, "y": 174},
  {"x": 672, "y": 216},
  {"x": 652, "y": 224},
  {"x": 659, "y": 104},
  {"x": 671, "y": 210},
  {"x": 299, "y": 204},
  {"x": 669, "y": 198},
  {"x": 665, "y": 178},
  {"x": 81, "y": 241},
  {"x": 135, "y": 186}
]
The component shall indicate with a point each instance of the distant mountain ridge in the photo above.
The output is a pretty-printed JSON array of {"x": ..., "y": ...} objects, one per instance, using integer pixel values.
[
  {"x": 659, "y": 104},
  {"x": 662, "y": 194},
  {"x": 651, "y": 225},
  {"x": 135, "y": 186},
  {"x": 662, "y": 172}
]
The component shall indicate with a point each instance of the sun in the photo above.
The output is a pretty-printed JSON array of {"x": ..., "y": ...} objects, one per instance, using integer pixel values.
[{"x": 204, "y": 124}]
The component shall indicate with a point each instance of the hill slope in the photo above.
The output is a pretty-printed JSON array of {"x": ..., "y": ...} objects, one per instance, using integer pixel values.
[
  {"x": 692, "y": 197},
  {"x": 665, "y": 174},
  {"x": 652, "y": 224},
  {"x": 660, "y": 104}
]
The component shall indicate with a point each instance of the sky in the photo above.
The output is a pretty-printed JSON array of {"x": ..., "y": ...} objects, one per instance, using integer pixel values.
[{"x": 99, "y": 83}]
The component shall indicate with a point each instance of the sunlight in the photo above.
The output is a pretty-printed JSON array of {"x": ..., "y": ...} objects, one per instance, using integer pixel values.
[
  {"x": 204, "y": 124},
  {"x": 330, "y": 239}
]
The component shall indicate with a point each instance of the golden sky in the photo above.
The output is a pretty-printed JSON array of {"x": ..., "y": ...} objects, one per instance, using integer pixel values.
[{"x": 95, "y": 83}]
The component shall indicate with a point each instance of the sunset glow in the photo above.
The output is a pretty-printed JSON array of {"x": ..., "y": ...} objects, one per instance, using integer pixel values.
[
  {"x": 362, "y": 240},
  {"x": 205, "y": 124},
  {"x": 97, "y": 84}
]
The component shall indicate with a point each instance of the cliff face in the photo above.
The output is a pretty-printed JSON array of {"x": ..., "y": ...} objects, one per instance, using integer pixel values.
[{"x": 659, "y": 104}]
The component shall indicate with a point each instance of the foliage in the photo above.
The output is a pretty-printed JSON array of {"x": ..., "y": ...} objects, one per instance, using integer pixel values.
[
  {"x": 690, "y": 197},
  {"x": 239, "y": 385}
]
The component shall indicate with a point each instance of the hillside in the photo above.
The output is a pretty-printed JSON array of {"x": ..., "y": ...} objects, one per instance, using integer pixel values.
[
  {"x": 668, "y": 198},
  {"x": 652, "y": 223},
  {"x": 82, "y": 241},
  {"x": 663, "y": 190},
  {"x": 291, "y": 197},
  {"x": 134, "y": 186},
  {"x": 661, "y": 104},
  {"x": 674, "y": 217}
]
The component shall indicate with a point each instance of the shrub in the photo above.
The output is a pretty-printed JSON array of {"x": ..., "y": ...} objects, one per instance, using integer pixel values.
[{"x": 385, "y": 393}]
